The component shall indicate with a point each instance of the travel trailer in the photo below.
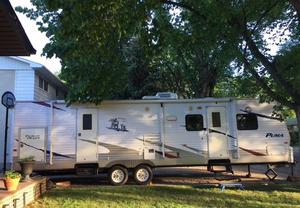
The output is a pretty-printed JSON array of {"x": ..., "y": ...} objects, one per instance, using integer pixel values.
[{"x": 138, "y": 135}]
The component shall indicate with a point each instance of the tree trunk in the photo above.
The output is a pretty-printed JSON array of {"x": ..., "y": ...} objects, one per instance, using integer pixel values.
[
  {"x": 297, "y": 110},
  {"x": 296, "y": 5},
  {"x": 208, "y": 82}
]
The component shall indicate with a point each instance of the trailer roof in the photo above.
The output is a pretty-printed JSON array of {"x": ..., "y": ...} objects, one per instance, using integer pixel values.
[{"x": 199, "y": 100}]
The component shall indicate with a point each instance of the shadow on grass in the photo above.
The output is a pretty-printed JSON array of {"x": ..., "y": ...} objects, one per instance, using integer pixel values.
[
  {"x": 282, "y": 187},
  {"x": 166, "y": 196},
  {"x": 267, "y": 186}
]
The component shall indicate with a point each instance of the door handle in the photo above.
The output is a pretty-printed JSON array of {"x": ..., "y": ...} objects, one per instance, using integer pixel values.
[{"x": 79, "y": 134}]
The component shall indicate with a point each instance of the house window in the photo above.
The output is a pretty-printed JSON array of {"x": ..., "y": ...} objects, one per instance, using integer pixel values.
[
  {"x": 246, "y": 121},
  {"x": 194, "y": 122},
  {"x": 216, "y": 119},
  {"x": 87, "y": 122},
  {"x": 43, "y": 84}
]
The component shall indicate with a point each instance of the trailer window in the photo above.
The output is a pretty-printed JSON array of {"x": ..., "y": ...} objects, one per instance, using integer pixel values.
[
  {"x": 246, "y": 121},
  {"x": 194, "y": 122},
  {"x": 87, "y": 122},
  {"x": 216, "y": 119}
]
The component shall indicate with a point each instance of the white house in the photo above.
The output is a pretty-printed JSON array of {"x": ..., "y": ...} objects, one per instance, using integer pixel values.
[{"x": 28, "y": 80}]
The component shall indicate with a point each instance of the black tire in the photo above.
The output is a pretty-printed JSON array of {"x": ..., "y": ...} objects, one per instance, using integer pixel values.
[
  {"x": 140, "y": 177},
  {"x": 115, "y": 176}
]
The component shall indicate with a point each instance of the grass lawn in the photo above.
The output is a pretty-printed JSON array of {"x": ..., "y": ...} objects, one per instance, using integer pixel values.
[{"x": 276, "y": 195}]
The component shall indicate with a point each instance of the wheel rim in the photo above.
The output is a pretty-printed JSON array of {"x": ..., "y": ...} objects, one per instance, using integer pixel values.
[
  {"x": 118, "y": 176},
  {"x": 142, "y": 175}
]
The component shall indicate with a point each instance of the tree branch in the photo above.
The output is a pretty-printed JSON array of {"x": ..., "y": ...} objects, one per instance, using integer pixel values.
[
  {"x": 184, "y": 6},
  {"x": 271, "y": 67},
  {"x": 263, "y": 15},
  {"x": 265, "y": 86},
  {"x": 296, "y": 5}
]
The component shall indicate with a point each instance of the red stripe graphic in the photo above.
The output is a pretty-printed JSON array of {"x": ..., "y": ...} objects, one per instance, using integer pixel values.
[
  {"x": 47, "y": 105},
  {"x": 168, "y": 155},
  {"x": 253, "y": 152}
]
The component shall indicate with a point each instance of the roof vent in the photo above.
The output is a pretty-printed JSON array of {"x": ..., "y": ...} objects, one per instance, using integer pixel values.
[{"x": 162, "y": 96}]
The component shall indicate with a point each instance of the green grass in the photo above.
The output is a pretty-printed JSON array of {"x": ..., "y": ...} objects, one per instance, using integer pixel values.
[{"x": 276, "y": 195}]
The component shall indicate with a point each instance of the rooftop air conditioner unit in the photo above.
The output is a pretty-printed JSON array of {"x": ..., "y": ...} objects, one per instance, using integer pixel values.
[{"x": 167, "y": 95}]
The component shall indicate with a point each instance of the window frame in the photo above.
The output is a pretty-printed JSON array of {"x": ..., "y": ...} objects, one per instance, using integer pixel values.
[
  {"x": 89, "y": 126},
  {"x": 43, "y": 84},
  {"x": 186, "y": 122},
  {"x": 219, "y": 120}
]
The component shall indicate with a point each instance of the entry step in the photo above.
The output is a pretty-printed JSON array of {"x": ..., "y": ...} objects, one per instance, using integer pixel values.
[{"x": 220, "y": 168}]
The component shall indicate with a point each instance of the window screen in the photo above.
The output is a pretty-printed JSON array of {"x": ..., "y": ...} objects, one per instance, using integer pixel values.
[
  {"x": 216, "y": 119},
  {"x": 87, "y": 122},
  {"x": 194, "y": 122},
  {"x": 246, "y": 121}
]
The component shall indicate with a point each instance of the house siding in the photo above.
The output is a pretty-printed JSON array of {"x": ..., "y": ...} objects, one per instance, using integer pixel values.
[
  {"x": 21, "y": 77},
  {"x": 9, "y": 63},
  {"x": 24, "y": 85},
  {"x": 7, "y": 80},
  {"x": 41, "y": 94}
]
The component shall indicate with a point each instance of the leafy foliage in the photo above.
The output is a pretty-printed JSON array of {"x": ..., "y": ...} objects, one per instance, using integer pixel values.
[
  {"x": 128, "y": 48},
  {"x": 12, "y": 174},
  {"x": 176, "y": 52}
]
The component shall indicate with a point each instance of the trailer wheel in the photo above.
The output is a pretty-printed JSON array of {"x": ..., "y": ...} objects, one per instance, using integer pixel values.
[
  {"x": 118, "y": 175},
  {"x": 142, "y": 175}
]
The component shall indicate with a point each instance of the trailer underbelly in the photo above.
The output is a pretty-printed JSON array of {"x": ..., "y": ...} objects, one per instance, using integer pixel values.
[{"x": 163, "y": 162}]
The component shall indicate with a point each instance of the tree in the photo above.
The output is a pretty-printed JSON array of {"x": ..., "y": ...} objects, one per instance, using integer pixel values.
[
  {"x": 210, "y": 34},
  {"x": 141, "y": 77},
  {"x": 249, "y": 22},
  {"x": 90, "y": 39},
  {"x": 277, "y": 75},
  {"x": 246, "y": 24}
]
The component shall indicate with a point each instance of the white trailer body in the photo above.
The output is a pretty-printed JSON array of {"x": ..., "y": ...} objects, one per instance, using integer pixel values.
[{"x": 153, "y": 132}]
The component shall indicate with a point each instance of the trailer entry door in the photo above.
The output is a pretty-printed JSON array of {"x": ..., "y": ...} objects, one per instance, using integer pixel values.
[
  {"x": 87, "y": 136},
  {"x": 217, "y": 130}
]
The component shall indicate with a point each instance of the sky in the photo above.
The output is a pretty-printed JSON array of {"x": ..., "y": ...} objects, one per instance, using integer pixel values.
[{"x": 37, "y": 39}]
